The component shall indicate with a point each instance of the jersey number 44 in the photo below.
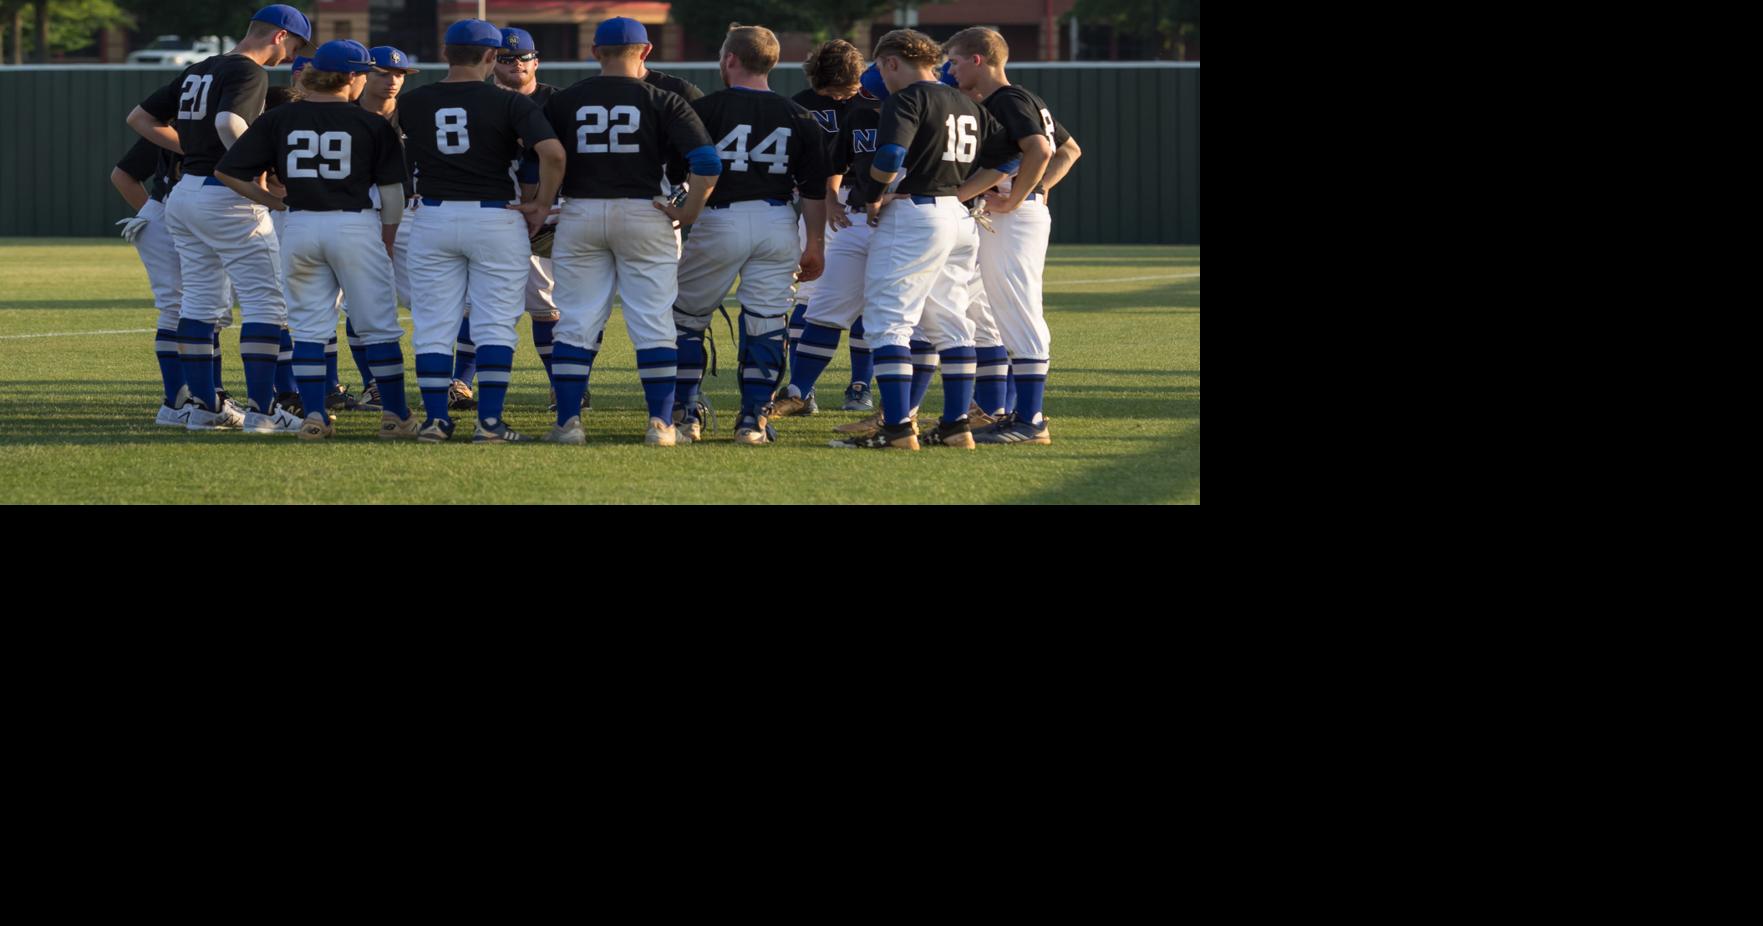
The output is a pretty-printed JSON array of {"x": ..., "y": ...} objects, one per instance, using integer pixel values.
[{"x": 774, "y": 149}]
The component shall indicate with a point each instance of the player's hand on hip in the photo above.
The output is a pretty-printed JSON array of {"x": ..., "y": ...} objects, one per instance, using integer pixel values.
[
  {"x": 812, "y": 265},
  {"x": 838, "y": 217},
  {"x": 132, "y": 228},
  {"x": 676, "y": 213},
  {"x": 875, "y": 210},
  {"x": 998, "y": 203},
  {"x": 534, "y": 213}
]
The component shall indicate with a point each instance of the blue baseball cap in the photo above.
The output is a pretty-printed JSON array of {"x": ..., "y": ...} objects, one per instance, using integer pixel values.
[
  {"x": 621, "y": 30},
  {"x": 387, "y": 58},
  {"x": 283, "y": 16},
  {"x": 947, "y": 75},
  {"x": 872, "y": 84},
  {"x": 473, "y": 32},
  {"x": 300, "y": 61},
  {"x": 518, "y": 41},
  {"x": 342, "y": 56}
]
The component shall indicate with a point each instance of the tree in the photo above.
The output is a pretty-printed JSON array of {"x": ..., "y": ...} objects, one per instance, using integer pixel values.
[
  {"x": 59, "y": 25},
  {"x": 191, "y": 18},
  {"x": 1173, "y": 22}
]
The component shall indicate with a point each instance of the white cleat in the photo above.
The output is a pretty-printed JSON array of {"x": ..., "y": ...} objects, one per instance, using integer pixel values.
[
  {"x": 570, "y": 432},
  {"x": 173, "y": 417},
  {"x": 201, "y": 419},
  {"x": 661, "y": 434},
  {"x": 280, "y": 421}
]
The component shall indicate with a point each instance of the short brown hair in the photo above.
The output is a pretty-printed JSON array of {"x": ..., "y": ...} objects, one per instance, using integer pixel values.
[
  {"x": 909, "y": 45},
  {"x": 979, "y": 40},
  {"x": 754, "y": 46},
  {"x": 834, "y": 64},
  {"x": 313, "y": 80},
  {"x": 466, "y": 55}
]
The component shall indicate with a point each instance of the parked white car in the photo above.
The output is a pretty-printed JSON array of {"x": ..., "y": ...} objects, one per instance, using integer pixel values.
[{"x": 170, "y": 49}]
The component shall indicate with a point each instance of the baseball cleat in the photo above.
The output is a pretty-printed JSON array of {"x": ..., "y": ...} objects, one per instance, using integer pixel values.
[
  {"x": 394, "y": 428},
  {"x": 278, "y": 421},
  {"x": 201, "y": 419},
  {"x": 368, "y": 401},
  {"x": 898, "y": 437},
  {"x": 497, "y": 431},
  {"x": 870, "y": 425},
  {"x": 792, "y": 404},
  {"x": 1013, "y": 430},
  {"x": 316, "y": 426},
  {"x": 435, "y": 430},
  {"x": 661, "y": 434},
  {"x": 570, "y": 432},
  {"x": 977, "y": 418},
  {"x": 754, "y": 430},
  {"x": 858, "y": 398},
  {"x": 338, "y": 399},
  {"x": 689, "y": 425},
  {"x": 173, "y": 417},
  {"x": 459, "y": 397},
  {"x": 291, "y": 402},
  {"x": 955, "y": 433}
]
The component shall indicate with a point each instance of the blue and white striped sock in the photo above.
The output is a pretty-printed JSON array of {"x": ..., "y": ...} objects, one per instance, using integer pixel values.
[
  {"x": 570, "y": 368},
  {"x": 495, "y": 367},
  {"x": 196, "y": 356},
  {"x": 171, "y": 369},
  {"x": 332, "y": 375},
  {"x": 924, "y": 367},
  {"x": 1010, "y": 389},
  {"x": 386, "y": 364},
  {"x": 691, "y": 368},
  {"x": 893, "y": 379},
  {"x": 309, "y": 374},
  {"x": 862, "y": 365},
  {"x": 259, "y": 344},
  {"x": 960, "y": 365},
  {"x": 658, "y": 368},
  {"x": 762, "y": 358},
  {"x": 465, "y": 367},
  {"x": 433, "y": 376},
  {"x": 810, "y": 352},
  {"x": 992, "y": 379},
  {"x": 543, "y": 341},
  {"x": 1031, "y": 388},
  {"x": 358, "y": 351},
  {"x": 215, "y": 342},
  {"x": 284, "y": 364},
  {"x": 794, "y": 335}
]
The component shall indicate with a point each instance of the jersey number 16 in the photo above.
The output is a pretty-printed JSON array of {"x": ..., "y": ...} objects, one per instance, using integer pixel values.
[{"x": 963, "y": 143}]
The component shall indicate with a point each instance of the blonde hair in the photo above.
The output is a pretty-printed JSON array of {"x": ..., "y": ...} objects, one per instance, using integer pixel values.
[
  {"x": 979, "y": 40},
  {"x": 911, "y": 46},
  {"x": 754, "y": 46},
  {"x": 313, "y": 80}
]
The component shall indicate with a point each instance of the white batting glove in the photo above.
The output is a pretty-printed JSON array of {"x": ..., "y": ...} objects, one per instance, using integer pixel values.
[{"x": 132, "y": 228}]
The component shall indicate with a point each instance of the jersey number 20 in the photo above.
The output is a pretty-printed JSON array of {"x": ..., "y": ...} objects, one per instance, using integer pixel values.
[
  {"x": 596, "y": 119},
  {"x": 450, "y": 134},
  {"x": 193, "y": 102},
  {"x": 329, "y": 147}
]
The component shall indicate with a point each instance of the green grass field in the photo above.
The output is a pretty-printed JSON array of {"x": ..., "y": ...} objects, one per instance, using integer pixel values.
[{"x": 79, "y": 388}]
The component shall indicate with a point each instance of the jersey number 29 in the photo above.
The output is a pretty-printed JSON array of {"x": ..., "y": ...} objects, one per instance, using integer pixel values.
[
  {"x": 596, "y": 119},
  {"x": 329, "y": 147}
]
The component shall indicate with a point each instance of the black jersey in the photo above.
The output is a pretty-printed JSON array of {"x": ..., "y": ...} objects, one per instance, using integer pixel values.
[
  {"x": 854, "y": 148},
  {"x": 327, "y": 154},
  {"x": 768, "y": 146},
  {"x": 1022, "y": 114},
  {"x": 824, "y": 109},
  {"x": 529, "y": 162},
  {"x": 403, "y": 156},
  {"x": 145, "y": 159},
  {"x": 619, "y": 131},
  {"x": 221, "y": 84},
  {"x": 464, "y": 139},
  {"x": 946, "y": 136},
  {"x": 673, "y": 84}
]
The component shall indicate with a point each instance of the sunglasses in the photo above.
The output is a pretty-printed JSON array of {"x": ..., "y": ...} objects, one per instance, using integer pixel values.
[{"x": 510, "y": 59}]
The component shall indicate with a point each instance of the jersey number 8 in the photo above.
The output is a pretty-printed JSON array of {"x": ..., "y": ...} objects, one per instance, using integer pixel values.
[
  {"x": 774, "y": 150},
  {"x": 963, "y": 143},
  {"x": 193, "y": 102},
  {"x": 331, "y": 146},
  {"x": 595, "y": 121},
  {"x": 450, "y": 134}
]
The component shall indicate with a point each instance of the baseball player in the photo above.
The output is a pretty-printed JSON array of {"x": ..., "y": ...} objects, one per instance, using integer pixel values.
[
  {"x": 929, "y": 139},
  {"x": 836, "y": 302},
  {"x": 614, "y": 235},
  {"x": 464, "y": 138},
  {"x": 285, "y": 393},
  {"x": 219, "y": 234},
  {"x": 1013, "y": 260},
  {"x": 770, "y": 146},
  {"x": 146, "y": 231},
  {"x": 833, "y": 70},
  {"x": 329, "y": 154},
  {"x": 517, "y": 66}
]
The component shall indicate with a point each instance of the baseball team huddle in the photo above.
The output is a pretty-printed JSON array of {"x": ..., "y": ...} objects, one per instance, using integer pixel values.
[{"x": 903, "y": 201}]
